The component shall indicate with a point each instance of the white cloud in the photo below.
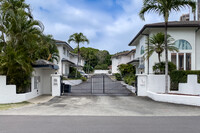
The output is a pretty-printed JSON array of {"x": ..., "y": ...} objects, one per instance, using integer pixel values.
[{"x": 61, "y": 19}]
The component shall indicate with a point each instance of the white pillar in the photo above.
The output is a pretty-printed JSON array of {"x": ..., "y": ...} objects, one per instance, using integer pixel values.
[
  {"x": 142, "y": 85},
  {"x": 56, "y": 84}
]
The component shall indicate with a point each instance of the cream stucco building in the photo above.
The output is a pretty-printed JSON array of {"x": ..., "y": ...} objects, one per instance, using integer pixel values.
[
  {"x": 187, "y": 39},
  {"x": 121, "y": 58}
]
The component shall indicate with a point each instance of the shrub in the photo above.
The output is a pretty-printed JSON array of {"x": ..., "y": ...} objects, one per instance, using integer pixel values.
[
  {"x": 118, "y": 77},
  {"x": 83, "y": 79},
  {"x": 177, "y": 77},
  {"x": 72, "y": 73},
  {"x": 109, "y": 72},
  {"x": 101, "y": 67},
  {"x": 159, "y": 68},
  {"x": 129, "y": 79},
  {"x": 126, "y": 69}
]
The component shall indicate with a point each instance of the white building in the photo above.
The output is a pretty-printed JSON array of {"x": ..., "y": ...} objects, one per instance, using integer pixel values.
[
  {"x": 122, "y": 58},
  {"x": 67, "y": 58},
  {"x": 187, "y": 39}
]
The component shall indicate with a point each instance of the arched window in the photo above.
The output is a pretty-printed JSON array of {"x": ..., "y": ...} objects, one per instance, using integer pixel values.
[
  {"x": 183, "y": 45},
  {"x": 142, "y": 50}
]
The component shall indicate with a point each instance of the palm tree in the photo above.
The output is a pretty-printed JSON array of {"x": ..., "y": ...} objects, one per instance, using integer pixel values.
[
  {"x": 21, "y": 42},
  {"x": 78, "y": 38},
  {"x": 157, "y": 45},
  {"x": 164, "y": 8}
]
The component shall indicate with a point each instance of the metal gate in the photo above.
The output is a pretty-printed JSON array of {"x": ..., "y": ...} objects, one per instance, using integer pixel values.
[{"x": 100, "y": 85}]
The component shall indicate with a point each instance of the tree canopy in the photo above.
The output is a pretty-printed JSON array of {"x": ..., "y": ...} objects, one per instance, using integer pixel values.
[
  {"x": 95, "y": 58},
  {"x": 22, "y": 42}
]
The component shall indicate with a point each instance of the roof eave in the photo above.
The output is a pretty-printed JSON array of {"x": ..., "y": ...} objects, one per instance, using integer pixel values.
[{"x": 159, "y": 26}]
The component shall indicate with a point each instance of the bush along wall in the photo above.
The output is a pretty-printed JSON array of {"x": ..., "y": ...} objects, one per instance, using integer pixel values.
[
  {"x": 159, "y": 68},
  {"x": 127, "y": 72},
  {"x": 177, "y": 77}
]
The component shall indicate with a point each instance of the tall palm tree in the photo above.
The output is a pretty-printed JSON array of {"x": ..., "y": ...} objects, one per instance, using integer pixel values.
[
  {"x": 164, "y": 8},
  {"x": 157, "y": 45},
  {"x": 21, "y": 42},
  {"x": 78, "y": 38}
]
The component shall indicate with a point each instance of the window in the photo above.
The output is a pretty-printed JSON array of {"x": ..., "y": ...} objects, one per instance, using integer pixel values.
[
  {"x": 188, "y": 61},
  {"x": 173, "y": 59},
  {"x": 64, "y": 50},
  {"x": 142, "y": 50},
  {"x": 183, "y": 45},
  {"x": 181, "y": 61}
]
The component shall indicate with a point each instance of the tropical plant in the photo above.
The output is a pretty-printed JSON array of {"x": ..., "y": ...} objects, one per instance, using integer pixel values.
[
  {"x": 164, "y": 8},
  {"x": 118, "y": 76},
  {"x": 157, "y": 45},
  {"x": 78, "y": 38},
  {"x": 159, "y": 68},
  {"x": 126, "y": 69},
  {"x": 21, "y": 43}
]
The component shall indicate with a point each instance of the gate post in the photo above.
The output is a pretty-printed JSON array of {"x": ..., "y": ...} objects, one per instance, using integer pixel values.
[
  {"x": 91, "y": 85},
  {"x": 103, "y": 85},
  {"x": 56, "y": 84}
]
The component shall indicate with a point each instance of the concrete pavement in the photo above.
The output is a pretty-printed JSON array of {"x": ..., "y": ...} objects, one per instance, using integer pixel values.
[{"x": 104, "y": 106}]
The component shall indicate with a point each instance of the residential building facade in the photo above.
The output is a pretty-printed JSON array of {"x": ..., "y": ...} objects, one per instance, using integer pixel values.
[
  {"x": 67, "y": 58},
  {"x": 186, "y": 35},
  {"x": 121, "y": 58}
]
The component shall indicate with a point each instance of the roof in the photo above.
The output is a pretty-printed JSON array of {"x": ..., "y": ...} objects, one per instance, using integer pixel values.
[
  {"x": 124, "y": 53},
  {"x": 172, "y": 24},
  {"x": 58, "y": 42},
  {"x": 45, "y": 64},
  {"x": 74, "y": 54},
  {"x": 66, "y": 60}
]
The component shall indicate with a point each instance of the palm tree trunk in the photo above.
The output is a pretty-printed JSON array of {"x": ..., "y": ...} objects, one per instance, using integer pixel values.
[
  {"x": 77, "y": 61},
  {"x": 166, "y": 59},
  {"x": 159, "y": 57}
]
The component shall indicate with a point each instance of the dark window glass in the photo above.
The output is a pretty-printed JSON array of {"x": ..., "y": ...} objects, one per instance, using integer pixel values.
[
  {"x": 173, "y": 58},
  {"x": 181, "y": 61},
  {"x": 188, "y": 61}
]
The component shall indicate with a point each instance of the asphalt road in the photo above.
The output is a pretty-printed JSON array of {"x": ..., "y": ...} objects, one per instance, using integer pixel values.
[{"x": 67, "y": 124}]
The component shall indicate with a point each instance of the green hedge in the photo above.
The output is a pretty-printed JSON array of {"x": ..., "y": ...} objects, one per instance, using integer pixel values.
[
  {"x": 129, "y": 79},
  {"x": 118, "y": 77},
  {"x": 181, "y": 77},
  {"x": 159, "y": 68}
]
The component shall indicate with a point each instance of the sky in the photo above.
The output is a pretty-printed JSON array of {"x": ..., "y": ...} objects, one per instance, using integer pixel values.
[{"x": 108, "y": 24}]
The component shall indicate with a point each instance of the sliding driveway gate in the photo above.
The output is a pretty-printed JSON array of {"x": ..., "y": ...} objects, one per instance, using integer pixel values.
[{"x": 99, "y": 85}]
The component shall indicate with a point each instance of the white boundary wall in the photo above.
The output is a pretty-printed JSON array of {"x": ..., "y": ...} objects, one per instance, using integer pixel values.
[
  {"x": 153, "y": 86},
  {"x": 8, "y": 93},
  {"x": 101, "y": 71},
  {"x": 129, "y": 87},
  {"x": 72, "y": 82}
]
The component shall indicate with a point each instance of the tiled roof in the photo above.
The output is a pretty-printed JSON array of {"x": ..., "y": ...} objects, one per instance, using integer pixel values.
[
  {"x": 58, "y": 42},
  {"x": 44, "y": 63},
  {"x": 172, "y": 24},
  {"x": 124, "y": 53}
]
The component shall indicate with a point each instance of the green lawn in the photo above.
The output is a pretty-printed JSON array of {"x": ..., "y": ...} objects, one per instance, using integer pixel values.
[{"x": 13, "y": 105}]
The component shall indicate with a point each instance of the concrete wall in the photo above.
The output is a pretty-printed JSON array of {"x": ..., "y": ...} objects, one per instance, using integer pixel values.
[
  {"x": 72, "y": 82},
  {"x": 101, "y": 71},
  {"x": 8, "y": 93},
  {"x": 153, "y": 86},
  {"x": 56, "y": 84}
]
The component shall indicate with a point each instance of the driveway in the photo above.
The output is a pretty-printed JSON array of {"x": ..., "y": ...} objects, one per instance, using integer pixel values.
[
  {"x": 104, "y": 106},
  {"x": 100, "y": 85}
]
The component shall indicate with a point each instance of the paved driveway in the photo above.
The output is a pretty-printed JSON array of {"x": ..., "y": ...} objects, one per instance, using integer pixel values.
[
  {"x": 100, "y": 85},
  {"x": 105, "y": 106}
]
